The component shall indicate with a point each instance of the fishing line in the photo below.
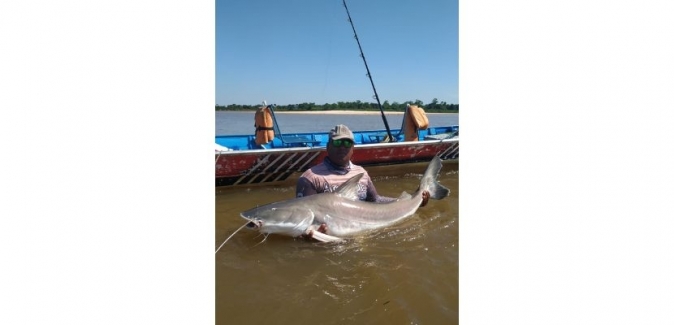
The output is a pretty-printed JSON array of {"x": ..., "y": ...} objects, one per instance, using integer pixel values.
[
  {"x": 369, "y": 75},
  {"x": 230, "y": 236},
  {"x": 265, "y": 238}
]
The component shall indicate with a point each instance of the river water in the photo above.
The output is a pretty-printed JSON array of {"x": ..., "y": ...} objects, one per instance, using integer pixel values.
[
  {"x": 231, "y": 122},
  {"x": 404, "y": 274}
]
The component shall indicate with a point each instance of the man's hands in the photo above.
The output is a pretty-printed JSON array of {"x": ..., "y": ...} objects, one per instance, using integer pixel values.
[
  {"x": 322, "y": 228},
  {"x": 424, "y": 198}
]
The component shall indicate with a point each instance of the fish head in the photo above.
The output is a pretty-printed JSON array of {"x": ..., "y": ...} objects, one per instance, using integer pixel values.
[{"x": 289, "y": 220}]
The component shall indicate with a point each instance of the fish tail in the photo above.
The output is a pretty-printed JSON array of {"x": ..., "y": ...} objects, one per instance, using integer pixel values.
[{"x": 429, "y": 182}]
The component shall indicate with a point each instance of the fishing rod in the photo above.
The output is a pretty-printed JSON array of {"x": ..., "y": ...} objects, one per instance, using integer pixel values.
[{"x": 388, "y": 131}]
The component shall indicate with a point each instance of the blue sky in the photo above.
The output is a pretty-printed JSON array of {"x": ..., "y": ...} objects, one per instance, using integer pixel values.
[{"x": 297, "y": 51}]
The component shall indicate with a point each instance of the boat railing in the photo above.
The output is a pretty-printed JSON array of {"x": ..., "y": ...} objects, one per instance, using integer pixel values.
[
  {"x": 290, "y": 141},
  {"x": 439, "y": 134},
  {"x": 384, "y": 136}
]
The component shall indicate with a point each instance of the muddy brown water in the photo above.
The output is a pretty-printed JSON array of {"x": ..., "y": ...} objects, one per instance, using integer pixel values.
[{"x": 403, "y": 274}]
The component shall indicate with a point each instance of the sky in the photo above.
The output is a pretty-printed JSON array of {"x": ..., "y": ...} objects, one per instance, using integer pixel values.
[{"x": 289, "y": 52}]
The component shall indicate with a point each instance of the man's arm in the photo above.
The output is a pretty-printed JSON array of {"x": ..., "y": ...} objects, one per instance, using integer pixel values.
[{"x": 304, "y": 187}]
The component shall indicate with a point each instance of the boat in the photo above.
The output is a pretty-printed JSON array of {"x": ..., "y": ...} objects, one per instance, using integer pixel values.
[
  {"x": 269, "y": 156},
  {"x": 242, "y": 160}
]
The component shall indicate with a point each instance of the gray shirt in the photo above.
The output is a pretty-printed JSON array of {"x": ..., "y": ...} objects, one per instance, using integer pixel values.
[{"x": 327, "y": 177}]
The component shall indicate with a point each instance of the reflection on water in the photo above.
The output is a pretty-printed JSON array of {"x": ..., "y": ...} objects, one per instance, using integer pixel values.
[{"x": 407, "y": 273}]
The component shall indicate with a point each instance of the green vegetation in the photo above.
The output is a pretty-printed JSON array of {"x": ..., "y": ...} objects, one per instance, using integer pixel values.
[{"x": 433, "y": 107}]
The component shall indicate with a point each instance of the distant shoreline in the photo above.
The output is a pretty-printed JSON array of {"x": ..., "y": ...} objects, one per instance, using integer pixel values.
[
  {"x": 346, "y": 112},
  {"x": 340, "y": 112}
]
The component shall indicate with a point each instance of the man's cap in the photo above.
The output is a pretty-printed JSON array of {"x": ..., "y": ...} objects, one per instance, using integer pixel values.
[{"x": 341, "y": 131}]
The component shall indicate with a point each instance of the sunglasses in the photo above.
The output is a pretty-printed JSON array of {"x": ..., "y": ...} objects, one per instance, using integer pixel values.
[{"x": 342, "y": 142}]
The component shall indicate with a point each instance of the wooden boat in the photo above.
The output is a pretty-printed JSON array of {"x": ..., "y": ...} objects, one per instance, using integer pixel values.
[{"x": 240, "y": 160}]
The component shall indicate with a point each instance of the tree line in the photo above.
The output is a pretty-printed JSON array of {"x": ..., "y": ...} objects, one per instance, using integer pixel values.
[{"x": 432, "y": 107}]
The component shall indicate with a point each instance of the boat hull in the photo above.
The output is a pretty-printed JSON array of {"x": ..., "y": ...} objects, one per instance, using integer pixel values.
[{"x": 269, "y": 166}]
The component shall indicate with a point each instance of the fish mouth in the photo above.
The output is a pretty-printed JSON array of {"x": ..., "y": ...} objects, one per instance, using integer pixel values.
[{"x": 253, "y": 224}]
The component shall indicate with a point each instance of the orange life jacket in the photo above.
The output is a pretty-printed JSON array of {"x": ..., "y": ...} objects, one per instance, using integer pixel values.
[
  {"x": 415, "y": 120},
  {"x": 264, "y": 126}
]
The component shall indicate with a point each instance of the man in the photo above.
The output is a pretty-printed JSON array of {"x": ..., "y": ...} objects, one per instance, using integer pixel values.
[{"x": 337, "y": 168}]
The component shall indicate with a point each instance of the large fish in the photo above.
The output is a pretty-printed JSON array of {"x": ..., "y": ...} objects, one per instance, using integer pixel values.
[{"x": 341, "y": 211}]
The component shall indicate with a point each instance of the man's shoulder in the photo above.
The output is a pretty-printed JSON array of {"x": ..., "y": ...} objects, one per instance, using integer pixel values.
[{"x": 358, "y": 169}]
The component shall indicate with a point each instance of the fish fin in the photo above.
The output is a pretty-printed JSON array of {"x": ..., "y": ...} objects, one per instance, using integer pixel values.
[
  {"x": 324, "y": 237},
  {"x": 349, "y": 189},
  {"x": 429, "y": 181}
]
